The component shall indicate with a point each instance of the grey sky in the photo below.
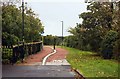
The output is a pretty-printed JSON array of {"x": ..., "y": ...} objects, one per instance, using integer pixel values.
[{"x": 51, "y": 13}]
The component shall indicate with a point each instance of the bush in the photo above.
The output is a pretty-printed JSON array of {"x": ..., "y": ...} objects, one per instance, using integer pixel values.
[
  {"x": 9, "y": 39},
  {"x": 108, "y": 43},
  {"x": 70, "y": 41},
  {"x": 116, "y": 49}
]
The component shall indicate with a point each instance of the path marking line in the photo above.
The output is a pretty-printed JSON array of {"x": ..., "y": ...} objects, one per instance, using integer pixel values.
[{"x": 45, "y": 58}]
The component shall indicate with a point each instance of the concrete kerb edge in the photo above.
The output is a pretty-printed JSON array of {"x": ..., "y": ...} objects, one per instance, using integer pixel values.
[{"x": 46, "y": 57}]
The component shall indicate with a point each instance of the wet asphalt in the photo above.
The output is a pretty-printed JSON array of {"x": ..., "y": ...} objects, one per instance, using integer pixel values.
[{"x": 37, "y": 72}]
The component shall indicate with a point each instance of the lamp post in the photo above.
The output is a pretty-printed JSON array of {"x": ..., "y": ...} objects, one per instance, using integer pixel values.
[
  {"x": 22, "y": 53},
  {"x": 42, "y": 39},
  {"x": 54, "y": 43},
  {"x": 23, "y": 21},
  {"x": 62, "y": 32}
]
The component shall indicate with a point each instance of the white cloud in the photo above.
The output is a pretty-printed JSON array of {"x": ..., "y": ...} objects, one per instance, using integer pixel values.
[{"x": 52, "y": 13}]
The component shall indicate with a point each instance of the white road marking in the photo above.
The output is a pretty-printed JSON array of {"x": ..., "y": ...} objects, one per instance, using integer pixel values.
[{"x": 45, "y": 58}]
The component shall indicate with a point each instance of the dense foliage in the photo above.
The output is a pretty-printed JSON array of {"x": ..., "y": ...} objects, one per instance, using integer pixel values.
[
  {"x": 99, "y": 31},
  {"x": 50, "y": 40},
  {"x": 12, "y": 25}
]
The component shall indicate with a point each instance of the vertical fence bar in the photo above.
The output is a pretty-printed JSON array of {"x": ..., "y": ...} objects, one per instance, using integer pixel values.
[{"x": 15, "y": 53}]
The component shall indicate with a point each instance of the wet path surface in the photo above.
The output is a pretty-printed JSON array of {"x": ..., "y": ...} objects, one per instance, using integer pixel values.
[
  {"x": 36, "y": 59},
  {"x": 56, "y": 67},
  {"x": 60, "y": 55},
  {"x": 37, "y": 72}
]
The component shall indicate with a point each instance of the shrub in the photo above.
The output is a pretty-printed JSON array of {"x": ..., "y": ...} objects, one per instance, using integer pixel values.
[
  {"x": 108, "y": 43},
  {"x": 9, "y": 39}
]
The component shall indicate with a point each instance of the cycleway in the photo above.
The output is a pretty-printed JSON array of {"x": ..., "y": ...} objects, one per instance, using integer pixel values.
[{"x": 56, "y": 67}]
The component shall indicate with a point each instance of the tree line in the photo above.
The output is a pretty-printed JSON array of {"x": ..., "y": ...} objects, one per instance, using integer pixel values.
[
  {"x": 51, "y": 40},
  {"x": 12, "y": 24},
  {"x": 99, "y": 31}
]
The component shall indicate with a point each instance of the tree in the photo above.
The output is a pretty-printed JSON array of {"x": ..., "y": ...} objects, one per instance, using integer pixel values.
[
  {"x": 116, "y": 24},
  {"x": 48, "y": 40},
  {"x": 12, "y": 24},
  {"x": 108, "y": 43},
  {"x": 97, "y": 23}
]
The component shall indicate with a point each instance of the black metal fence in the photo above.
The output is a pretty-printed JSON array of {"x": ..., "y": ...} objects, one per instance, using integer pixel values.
[{"x": 11, "y": 54}]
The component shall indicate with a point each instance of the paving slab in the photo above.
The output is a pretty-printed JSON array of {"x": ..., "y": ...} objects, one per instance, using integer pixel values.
[
  {"x": 37, "y": 72},
  {"x": 58, "y": 62}
]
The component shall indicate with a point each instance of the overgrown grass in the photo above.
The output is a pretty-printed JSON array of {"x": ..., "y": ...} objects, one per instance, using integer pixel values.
[{"x": 91, "y": 65}]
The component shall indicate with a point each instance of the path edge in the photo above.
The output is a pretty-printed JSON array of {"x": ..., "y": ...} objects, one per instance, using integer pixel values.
[{"x": 46, "y": 57}]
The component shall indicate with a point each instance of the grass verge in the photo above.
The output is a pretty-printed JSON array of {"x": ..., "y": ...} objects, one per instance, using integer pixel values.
[{"x": 91, "y": 65}]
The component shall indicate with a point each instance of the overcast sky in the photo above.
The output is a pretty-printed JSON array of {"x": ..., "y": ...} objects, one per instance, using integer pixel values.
[{"x": 52, "y": 12}]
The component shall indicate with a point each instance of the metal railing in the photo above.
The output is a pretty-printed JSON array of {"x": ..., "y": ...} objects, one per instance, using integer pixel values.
[{"x": 11, "y": 54}]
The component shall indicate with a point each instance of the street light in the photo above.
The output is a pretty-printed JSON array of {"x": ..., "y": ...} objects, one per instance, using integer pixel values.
[
  {"x": 22, "y": 53},
  {"x": 23, "y": 21},
  {"x": 62, "y": 32},
  {"x": 54, "y": 42},
  {"x": 42, "y": 39}
]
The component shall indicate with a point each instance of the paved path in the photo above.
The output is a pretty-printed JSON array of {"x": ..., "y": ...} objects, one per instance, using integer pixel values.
[
  {"x": 61, "y": 54},
  {"x": 37, "y": 72},
  {"x": 56, "y": 67},
  {"x": 36, "y": 59},
  {"x": 59, "y": 58},
  {"x": 46, "y": 57}
]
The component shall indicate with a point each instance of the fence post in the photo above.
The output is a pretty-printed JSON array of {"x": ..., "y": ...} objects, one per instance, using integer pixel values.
[{"x": 18, "y": 53}]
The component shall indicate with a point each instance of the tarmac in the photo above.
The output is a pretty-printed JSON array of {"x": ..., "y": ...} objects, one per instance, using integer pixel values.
[
  {"x": 55, "y": 69},
  {"x": 37, "y": 72}
]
